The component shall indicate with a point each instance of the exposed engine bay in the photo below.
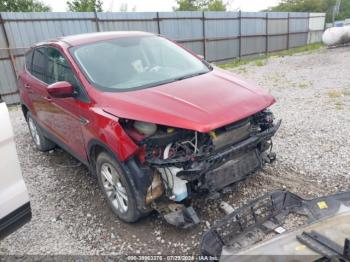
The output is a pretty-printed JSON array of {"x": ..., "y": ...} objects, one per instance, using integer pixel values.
[{"x": 185, "y": 162}]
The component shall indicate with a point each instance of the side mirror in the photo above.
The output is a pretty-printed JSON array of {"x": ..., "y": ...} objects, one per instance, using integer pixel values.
[{"x": 61, "y": 89}]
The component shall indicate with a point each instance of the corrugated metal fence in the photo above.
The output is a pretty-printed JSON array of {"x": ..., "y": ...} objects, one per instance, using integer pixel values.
[{"x": 218, "y": 36}]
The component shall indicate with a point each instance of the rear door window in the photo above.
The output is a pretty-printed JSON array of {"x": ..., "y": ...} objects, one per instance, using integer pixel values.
[{"x": 39, "y": 64}]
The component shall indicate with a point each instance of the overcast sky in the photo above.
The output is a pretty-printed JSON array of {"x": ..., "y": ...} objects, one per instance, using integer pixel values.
[{"x": 163, "y": 5}]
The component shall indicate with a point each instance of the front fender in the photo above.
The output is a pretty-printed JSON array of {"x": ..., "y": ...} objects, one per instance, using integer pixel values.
[{"x": 106, "y": 129}]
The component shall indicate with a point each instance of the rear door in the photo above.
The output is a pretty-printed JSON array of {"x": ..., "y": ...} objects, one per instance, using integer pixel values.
[
  {"x": 35, "y": 83},
  {"x": 14, "y": 200}
]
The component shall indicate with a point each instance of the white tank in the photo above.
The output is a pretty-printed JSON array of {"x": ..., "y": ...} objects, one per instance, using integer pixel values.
[
  {"x": 145, "y": 128},
  {"x": 177, "y": 185},
  {"x": 336, "y": 36}
]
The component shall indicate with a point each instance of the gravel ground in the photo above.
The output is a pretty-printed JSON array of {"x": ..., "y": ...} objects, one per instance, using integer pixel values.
[{"x": 312, "y": 145}]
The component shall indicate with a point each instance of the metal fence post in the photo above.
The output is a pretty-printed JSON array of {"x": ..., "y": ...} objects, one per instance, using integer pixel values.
[
  {"x": 267, "y": 33},
  {"x": 7, "y": 42},
  {"x": 158, "y": 23},
  {"x": 204, "y": 36},
  {"x": 288, "y": 30},
  {"x": 96, "y": 21},
  {"x": 240, "y": 35},
  {"x": 308, "y": 30}
]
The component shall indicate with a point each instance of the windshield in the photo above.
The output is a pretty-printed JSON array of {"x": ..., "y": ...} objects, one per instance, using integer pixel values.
[{"x": 136, "y": 62}]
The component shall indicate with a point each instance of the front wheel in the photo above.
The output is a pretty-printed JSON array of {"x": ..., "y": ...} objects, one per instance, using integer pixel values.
[{"x": 117, "y": 189}]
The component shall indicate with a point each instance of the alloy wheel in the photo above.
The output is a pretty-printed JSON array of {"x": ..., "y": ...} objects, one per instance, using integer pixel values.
[{"x": 113, "y": 187}]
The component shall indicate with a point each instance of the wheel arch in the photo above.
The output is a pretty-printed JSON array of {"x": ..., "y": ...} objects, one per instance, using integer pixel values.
[
  {"x": 93, "y": 149},
  {"x": 141, "y": 178}
]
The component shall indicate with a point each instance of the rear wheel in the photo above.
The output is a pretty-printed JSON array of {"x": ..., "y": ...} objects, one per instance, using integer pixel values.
[
  {"x": 117, "y": 188},
  {"x": 40, "y": 141}
]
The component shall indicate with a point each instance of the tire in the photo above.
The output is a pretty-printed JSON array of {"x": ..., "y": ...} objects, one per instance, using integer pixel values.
[
  {"x": 41, "y": 142},
  {"x": 121, "y": 195}
]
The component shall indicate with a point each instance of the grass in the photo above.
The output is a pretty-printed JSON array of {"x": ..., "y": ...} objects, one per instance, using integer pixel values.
[
  {"x": 339, "y": 105},
  {"x": 346, "y": 92},
  {"x": 242, "y": 69},
  {"x": 307, "y": 48},
  {"x": 303, "y": 85},
  {"x": 13, "y": 107},
  {"x": 240, "y": 62},
  {"x": 335, "y": 94},
  {"x": 338, "y": 93},
  {"x": 261, "y": 60}
]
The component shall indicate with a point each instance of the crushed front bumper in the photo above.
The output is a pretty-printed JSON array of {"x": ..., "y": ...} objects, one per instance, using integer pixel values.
[
  {"x": 245, "y": 145},
  {"x": 227, "y": 166},
  {"x": 213, "y": 173}
]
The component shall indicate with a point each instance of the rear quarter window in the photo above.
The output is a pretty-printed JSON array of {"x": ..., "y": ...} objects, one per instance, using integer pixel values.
[{"x": 28, "y": 60}]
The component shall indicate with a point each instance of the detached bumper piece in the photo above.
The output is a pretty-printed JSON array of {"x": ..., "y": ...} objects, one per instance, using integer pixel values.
[
  {"x": 177, "y": 214},
  {"x": 246, "y": 225},
  {"x": 185, "y": 217},
  {"x": 325, "y": 246}
]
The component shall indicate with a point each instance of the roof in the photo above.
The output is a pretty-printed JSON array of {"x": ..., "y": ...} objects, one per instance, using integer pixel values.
[{"x": 80, "y": 39}]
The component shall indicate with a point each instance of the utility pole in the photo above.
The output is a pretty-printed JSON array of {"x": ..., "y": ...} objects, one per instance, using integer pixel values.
[{"x": 336, "y": 11}]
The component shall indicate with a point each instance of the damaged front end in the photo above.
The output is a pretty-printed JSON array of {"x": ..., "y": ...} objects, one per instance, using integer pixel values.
[{"x": 185, "y": 162}]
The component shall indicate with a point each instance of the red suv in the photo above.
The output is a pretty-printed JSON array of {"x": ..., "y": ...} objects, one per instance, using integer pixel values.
[{"x": 153, "y": 121}]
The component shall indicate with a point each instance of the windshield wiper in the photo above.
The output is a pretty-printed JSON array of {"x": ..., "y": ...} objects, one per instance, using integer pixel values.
[
  {"x": 188, "y": 76},
  {"x": 164, "y": 81}
]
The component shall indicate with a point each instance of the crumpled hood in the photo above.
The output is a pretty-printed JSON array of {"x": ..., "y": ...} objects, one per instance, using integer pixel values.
[{"x": 200, "y": 103}]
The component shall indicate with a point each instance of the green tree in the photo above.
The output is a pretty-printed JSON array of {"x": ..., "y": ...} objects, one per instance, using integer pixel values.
[
  {"x": 200, "y": 5},
  {"x": 187, "y": 5},
  {"x": 344, "y": 11},
  {"x": 23, "y": 6},
  {"x": 85, "y": 5},
  {"x": 216, "y": 5},
  {"x": 324, "y": 6}
]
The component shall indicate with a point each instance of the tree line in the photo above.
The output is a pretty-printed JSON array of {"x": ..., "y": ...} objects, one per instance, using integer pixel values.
[
  {"x": 323, "y": 6},
  {"x": 184, "y": 5},
  {"x": 38, "y": 6},
  {"x": 96, "y": 5}
]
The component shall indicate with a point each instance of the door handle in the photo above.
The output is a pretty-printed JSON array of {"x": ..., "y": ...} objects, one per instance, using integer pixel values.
[
  {"x": 48, "y": 98},
  {"x": 29, "y": 88},
  {"x": 83, "y": 121}
]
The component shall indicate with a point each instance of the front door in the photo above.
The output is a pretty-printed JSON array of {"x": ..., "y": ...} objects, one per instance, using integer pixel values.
[{"x": 65, "y": 112}]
